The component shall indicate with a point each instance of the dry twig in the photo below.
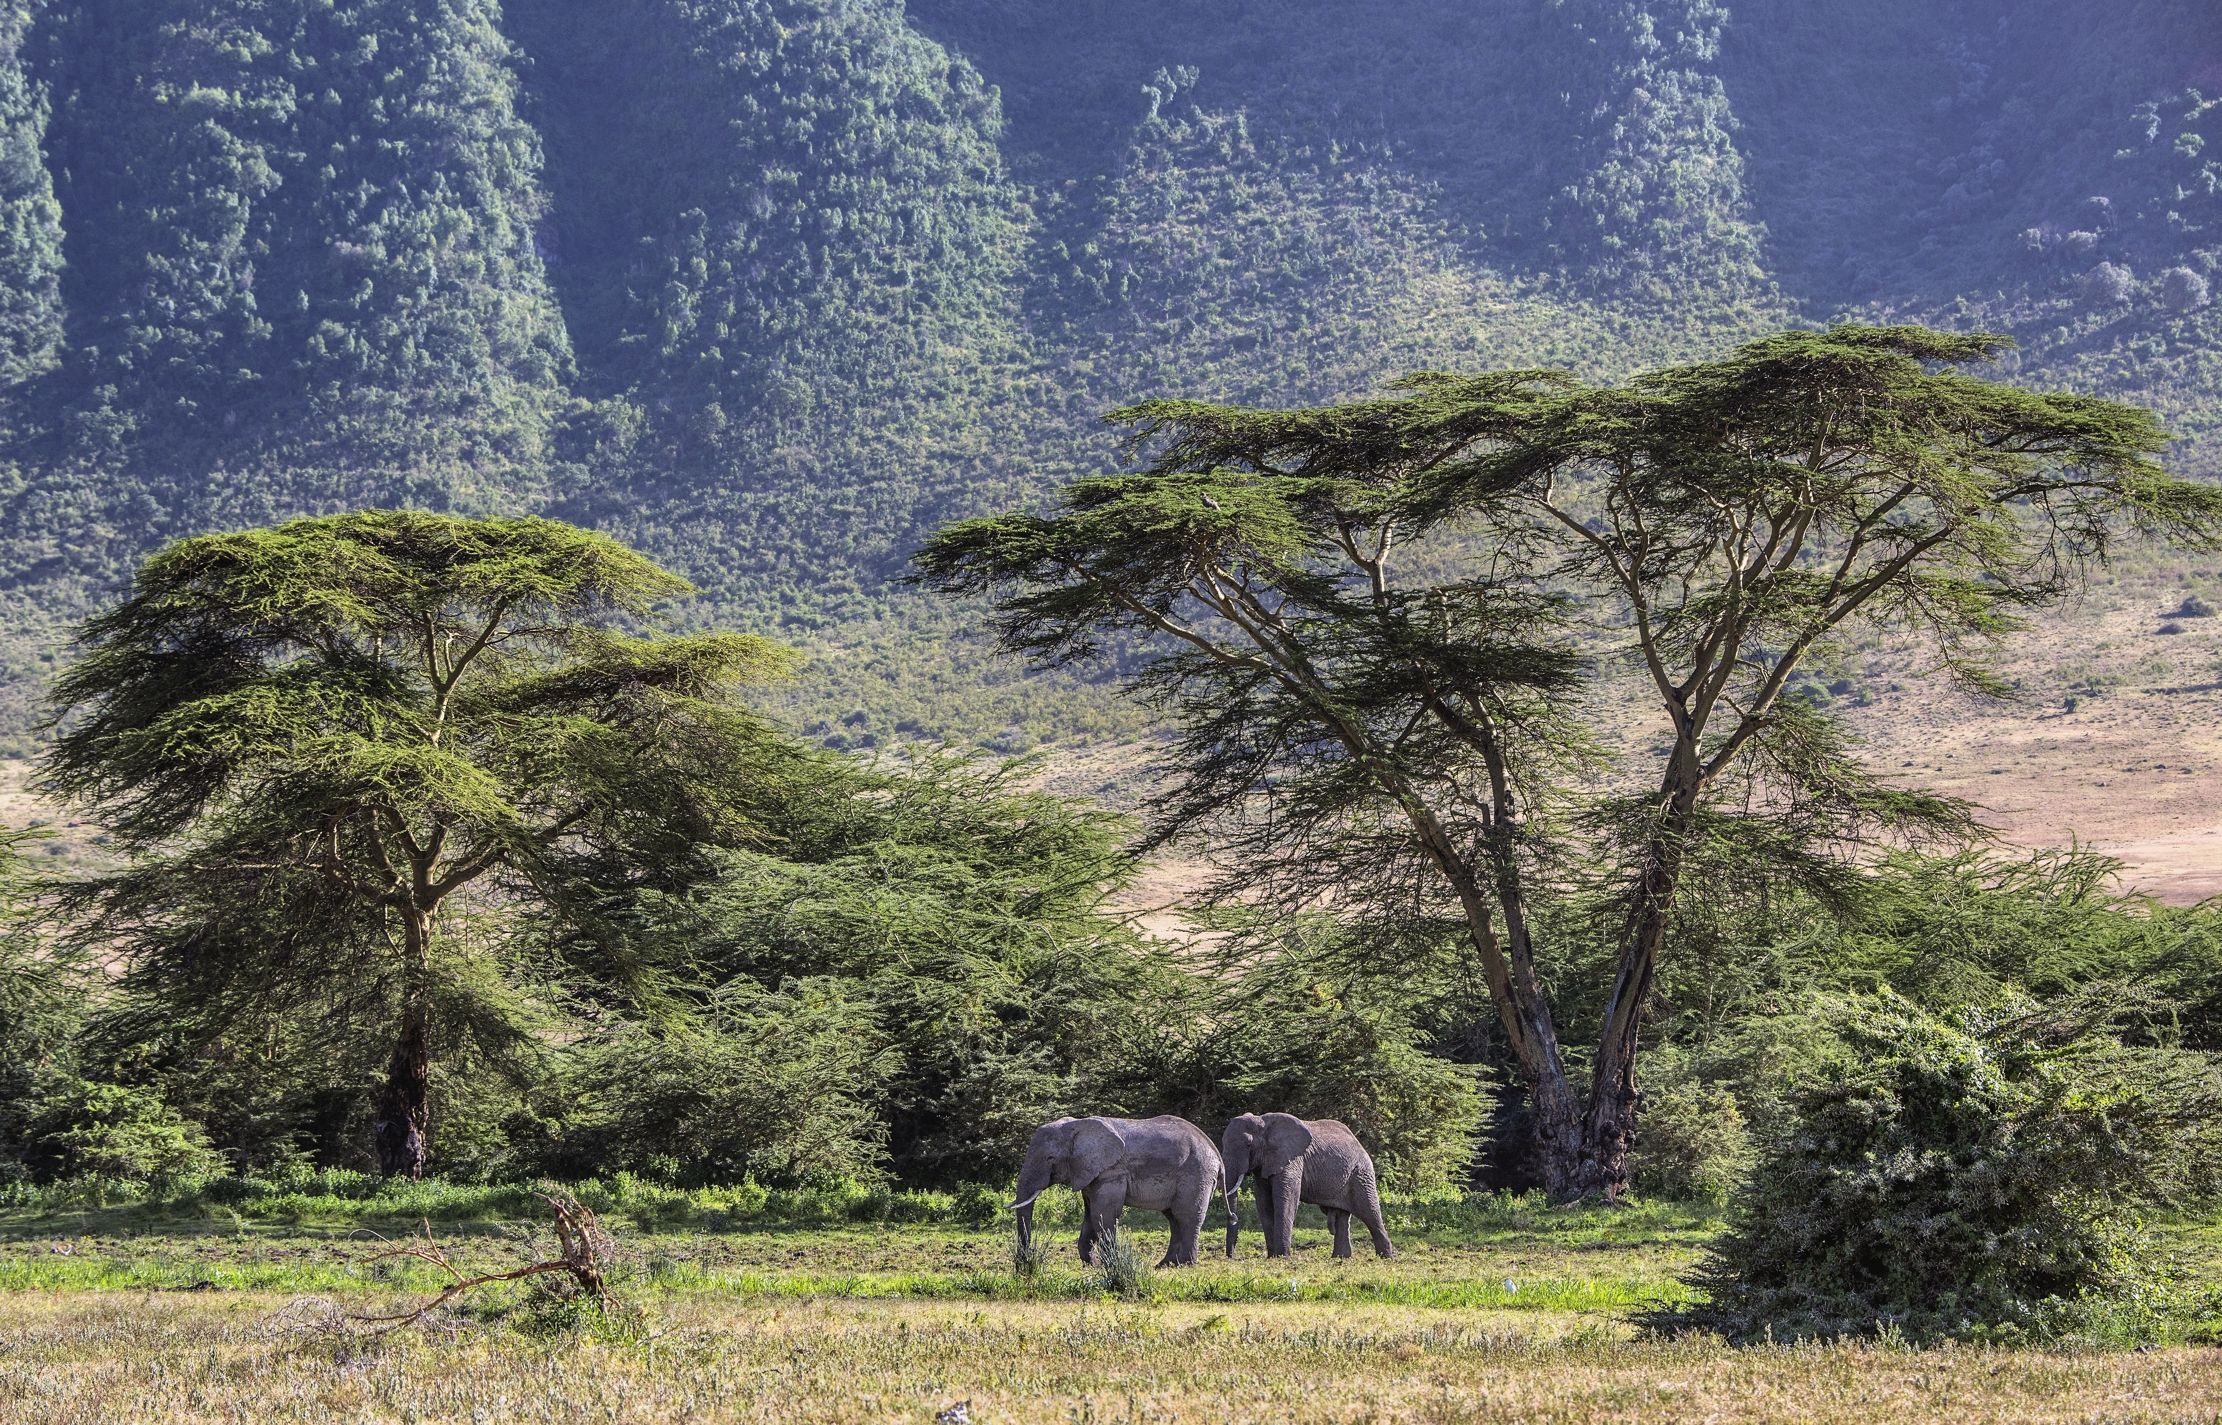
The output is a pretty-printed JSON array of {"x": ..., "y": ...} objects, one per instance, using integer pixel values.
[{"x": 580, "y": 1265}]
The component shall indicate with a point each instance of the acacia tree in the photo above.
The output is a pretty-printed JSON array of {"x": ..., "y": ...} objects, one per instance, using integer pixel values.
[
  {"x": 1374, "y": 625},
  {"x": 321, "y": 745}
]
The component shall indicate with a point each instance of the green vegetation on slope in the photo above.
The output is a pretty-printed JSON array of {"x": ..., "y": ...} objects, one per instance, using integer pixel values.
[{"x": 772, "y": 286}]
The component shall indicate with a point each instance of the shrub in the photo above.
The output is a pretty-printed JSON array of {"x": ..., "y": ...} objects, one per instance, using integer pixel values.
[
  {"x": 1692, "y": 1143},
  {"x": 978, "y": 1206},
  {"x": 1969, "y": 1178},
  {"x": 2109, "y": 285},
  {"x": 2183, "y": 289},
  {"x": 121, "y": 1135},
  {"x": 775, "y": 1087},
  {"x": 1301, "y": 1034}
]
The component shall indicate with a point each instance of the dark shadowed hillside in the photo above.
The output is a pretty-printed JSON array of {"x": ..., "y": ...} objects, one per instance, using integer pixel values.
[{"x": 771, "y": 286}]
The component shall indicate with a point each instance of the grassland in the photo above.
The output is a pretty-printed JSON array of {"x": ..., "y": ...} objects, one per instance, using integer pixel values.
[
  {"x": 1498, "y": 1309},
  {"x": 166, "y": 1359}
]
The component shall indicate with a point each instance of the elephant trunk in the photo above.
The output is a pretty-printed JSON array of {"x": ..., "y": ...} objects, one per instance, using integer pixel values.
[
  {"x": 1236, "y": 1168},
  {"x": 1033, "y": 1178}
]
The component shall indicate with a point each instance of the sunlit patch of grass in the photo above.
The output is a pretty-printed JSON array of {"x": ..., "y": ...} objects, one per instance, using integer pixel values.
[
  {"x": 1455, "y": 1250},
  {"x": 1507, "y": 1256}
]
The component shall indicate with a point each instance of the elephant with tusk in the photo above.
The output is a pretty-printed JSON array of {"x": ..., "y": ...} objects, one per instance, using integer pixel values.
[
  {"x": 1321, "y": 1163},
  {"x": 1163, "y": 1164}
]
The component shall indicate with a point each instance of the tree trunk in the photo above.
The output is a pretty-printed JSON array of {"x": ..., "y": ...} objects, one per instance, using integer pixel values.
[
  {"x": 1609, "y": 1124},
  {"x": 404, "y": 1107},
  {"x": 1557, "y": 1116},
  {"x": 405, "y": 1102}
]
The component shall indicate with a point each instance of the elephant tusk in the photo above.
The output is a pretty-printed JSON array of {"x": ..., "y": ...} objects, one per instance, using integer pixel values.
[{"x": 1017, "y": 1205}]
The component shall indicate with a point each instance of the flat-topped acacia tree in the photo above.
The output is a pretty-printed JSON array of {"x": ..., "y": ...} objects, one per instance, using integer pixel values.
[
  {"x": 318, "y": 744},
  {"x": 1373, "y": 624}
]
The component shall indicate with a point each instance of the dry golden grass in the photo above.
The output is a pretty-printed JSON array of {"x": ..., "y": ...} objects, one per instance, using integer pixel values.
[{"x": 115, "y": 1358}]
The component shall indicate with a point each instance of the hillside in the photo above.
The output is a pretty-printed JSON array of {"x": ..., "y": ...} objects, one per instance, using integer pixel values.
[{"x": 772, "y": 286}]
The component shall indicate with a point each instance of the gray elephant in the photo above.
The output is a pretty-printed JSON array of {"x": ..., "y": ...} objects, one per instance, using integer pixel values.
[
  {"x": 1164, "y": 1164},
  {"x": 1321, "y": 1163}
]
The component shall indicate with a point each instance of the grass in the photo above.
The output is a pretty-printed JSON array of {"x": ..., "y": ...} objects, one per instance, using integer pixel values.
[
  {"x": 1498, "y": 1309},
  {"x": 1494, "y": 1252},
  {"x": 69, "y": 1359}
]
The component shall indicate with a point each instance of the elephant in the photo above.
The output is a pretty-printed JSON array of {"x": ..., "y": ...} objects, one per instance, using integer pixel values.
[
  {"x": 1321, "y": 1163},
  {"x": 1164, "y": 1164}
]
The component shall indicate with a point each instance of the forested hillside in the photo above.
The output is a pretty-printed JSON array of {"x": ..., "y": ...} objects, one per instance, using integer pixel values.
[{"x": 771, "y": 287}]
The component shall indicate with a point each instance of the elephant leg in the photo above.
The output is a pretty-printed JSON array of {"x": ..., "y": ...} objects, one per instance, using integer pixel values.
[
  {"x": 1269, "y": 1218},
  {"x": 1369, "y": 1212},
  {"x": 1187, "y": 1216},
  {"x": 1339, "y": 1221},
  {"x": 1187, "y": 1226},
  {"x": 1087, "y": 1228},
  {"x": 1288, "y": 1193},
  {"x": 1104, "y": 1210}
]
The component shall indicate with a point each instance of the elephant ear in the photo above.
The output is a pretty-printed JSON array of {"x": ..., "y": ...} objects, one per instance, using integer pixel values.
[
  {"x": 1096, "y": 1149},
  {"x": 1286, "y": 1140}
]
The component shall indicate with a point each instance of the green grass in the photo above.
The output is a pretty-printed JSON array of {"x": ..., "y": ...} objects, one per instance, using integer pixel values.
[
  {"x": 1494, "y": 1252},
  {"x": 817, "y": 1307},
  {"x": 1483, "y": 1252}
]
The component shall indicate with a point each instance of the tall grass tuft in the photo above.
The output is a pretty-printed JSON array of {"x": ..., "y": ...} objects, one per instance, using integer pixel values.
[{"x": 1123, "y": 1270}]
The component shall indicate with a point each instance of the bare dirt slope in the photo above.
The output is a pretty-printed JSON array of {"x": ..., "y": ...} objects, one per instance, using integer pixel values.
[{"x": 2115, "y": 741}]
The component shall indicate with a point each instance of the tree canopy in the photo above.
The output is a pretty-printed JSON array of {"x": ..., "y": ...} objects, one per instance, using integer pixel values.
[
  {"x": 1373, "y": 625},
  {"x": 311, "y": 740}
]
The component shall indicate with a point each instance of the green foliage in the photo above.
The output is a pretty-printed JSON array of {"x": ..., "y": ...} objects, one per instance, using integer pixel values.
[
  {"x": 341, "y": 754},
  {"x": 42, "y": 1001},
  {"x": 1298, "y": 1033},
  {"x": 129, "y": 1139},
  {"x": 966, "y": 912},
  {"x": 768, "y": 287},
  {"x": 279, "y": 207},
  {"x": 978, "y": 1206},
  {"x": 30, "y": 218},
  {"x": 1959, "y": 931},
  {"x": 786, "y": 212},
  {"x": 1655, "y": 180},
  {"x": 1692, "y": 1144},
  {"x": 1955, "y": 1177},
  {"x": 773, "y": 1088}
]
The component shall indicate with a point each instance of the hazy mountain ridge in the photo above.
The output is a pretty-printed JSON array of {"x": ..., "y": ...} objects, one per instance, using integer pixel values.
[{"x": 771, "y": 286}]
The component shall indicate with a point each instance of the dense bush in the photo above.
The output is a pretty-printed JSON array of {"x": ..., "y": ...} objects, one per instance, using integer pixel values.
[
  {"x": 125, "y": 1138},
  {"x": 774, "y": 1087},
  {"x": 2109, "y": 284},
  {"x": 1692, "y": 1143},
  {"x": 1294, "y": 1035},
  {"x": 2183, "y": 289},
  {"x": 961, "y": 915},
  {"x": 1964, "y": 1176}
]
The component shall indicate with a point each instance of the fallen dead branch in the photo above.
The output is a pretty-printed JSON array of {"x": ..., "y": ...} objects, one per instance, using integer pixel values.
[{"x": 577, "y": 1271}]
